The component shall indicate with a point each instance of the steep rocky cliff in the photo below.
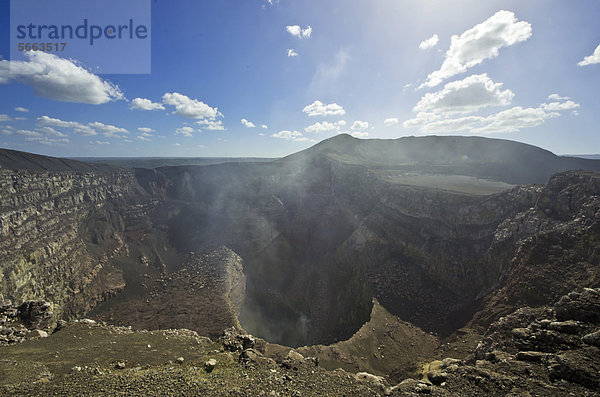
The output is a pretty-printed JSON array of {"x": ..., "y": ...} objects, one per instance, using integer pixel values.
[{"x": 44, "y": 254}]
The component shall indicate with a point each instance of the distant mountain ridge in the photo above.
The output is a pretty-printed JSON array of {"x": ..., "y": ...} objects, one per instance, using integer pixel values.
[
  {"x": 497, "y": 159},
  {"x": 503, "y": 160},
  {"x": 17, "y": 160}
]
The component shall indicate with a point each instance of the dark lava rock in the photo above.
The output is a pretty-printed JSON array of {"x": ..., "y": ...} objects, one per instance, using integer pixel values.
[
  {"x": 36, "y": 314},
  {"x": 592, "y": 339},
  {"x": 576, "y": 367},
  {"x": 582, "y": 306},
  {"x": 235, "y": 340}
]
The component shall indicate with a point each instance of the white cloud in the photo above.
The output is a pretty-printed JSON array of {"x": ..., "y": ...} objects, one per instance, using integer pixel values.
[
  {"x": 591, "y": 59},
  {"x": 144, "y": 138},
  {"x": 48, "y": 141},
  {"x": 391, "y": 121},
  {"x": 248, "y": 124},
  {"x": 558, "y": 106},
  {"x": 297, "y": 31},
  {"x": 21, "y": 109},
  {"x": 28, "y": 133},
  {"x": 291, "y": 52},
  {"x": 211, "y": 125},
  {"x": 89, "y": 129},
  {"x": 510, "y": 120},
  {"x": 479, "y": 43},
  {"x": 359, "y": 134},
  {"x": 360, "y": 125},
  {"x": 59, "y": 79},
  {"x": 185, "y": 131},
  {"x": 429, "y": 43},
  {"x": 145, "y": 130},
  {"x": 78, "y": 128},
  {"x": 317, "y": 108},
  {"x": 145, "y": 104},
  {"x": 294, "y": 30},
  {"x": 470, "y": 94},
  {"x": 290, "y": 135},
  {"x": 190, "y": 108},
  {"x": 264, "y": 126},
  {"x": 325, "y": 126},
  {"x": 306, "y": 33},
  {"x": 556, "y": 97},
  {"x": 108, "y": 130},
  {"x": 100, "y": 142},
  {"x": 52, "y": 132},
  {"x": 5, "y": 117}
]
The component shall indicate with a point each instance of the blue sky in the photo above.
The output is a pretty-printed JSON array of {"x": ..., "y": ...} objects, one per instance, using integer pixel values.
[{"x": 222, "y": 70}]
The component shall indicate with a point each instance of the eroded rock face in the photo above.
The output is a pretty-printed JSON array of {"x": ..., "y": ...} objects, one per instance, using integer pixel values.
[
  {"x": 549, "y": 250},
  {"x": 204, "y": 295},
  {"x": 547, "y": 344},
  {"x": 43, "y": 254}
]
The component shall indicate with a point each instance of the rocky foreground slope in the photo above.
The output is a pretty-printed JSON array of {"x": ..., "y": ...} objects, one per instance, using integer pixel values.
[
  {"x": 372, "y": 260},
  {"x": 550, "y": 351}
]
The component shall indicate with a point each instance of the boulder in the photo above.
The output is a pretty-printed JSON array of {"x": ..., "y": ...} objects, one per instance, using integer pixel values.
[
  {"x": 36, "y": 314},
  {"x": 210, "y": 364},
  {"x": 592, "y": 339}
]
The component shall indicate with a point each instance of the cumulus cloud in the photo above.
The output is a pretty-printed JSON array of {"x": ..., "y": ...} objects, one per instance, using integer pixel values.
[
  {"x": 291, "y": 52},
  {"x": 325, "y": 126},
  {"x": 52, "y": 132},
  {"x": 211, "y": 125},
  {"x": 145, "y": 134},
  {"x": 59, "y": 79},
  {"x": 5, "y": 117},
  {"x": 510, "y": 120},
  {"x": 28, "y": 133},
  {"x": 190, "y": 108},
  {"x": 391, "y": 121},
  {"x": 185, "y": 131},
  {"x": 43, "y": 140},
  {"x": 429, "y": 43},
  {"x": 99, "y": 142},
  {"x": 556, "y": 97},
  {"x": 470, "y": 94},
  {"x": 264, "y": 126},
  {"x": 359, "y": 134},
  {"x": 591, "y": 59},
  {"x": 145, "y": 104},
  {"x": 78, "y": 128},
  {"x": 248, "y": 124},
  {"x": 318, "y": 108},
  {"x": 290, "y": 136},
  {"x": 297, "y": 31},
  {"x": 108, "y": 130},
  {"x": 558, "y": 106},
  {"x": 89, "y": 129},
  {"x": 360, "y": 125},
  {"x": 21, "y": 109},
  {"x": 479, "y": 43}
]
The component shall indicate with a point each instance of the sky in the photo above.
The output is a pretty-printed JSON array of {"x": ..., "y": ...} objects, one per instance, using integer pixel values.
[{"x": 267, "y": 78}]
